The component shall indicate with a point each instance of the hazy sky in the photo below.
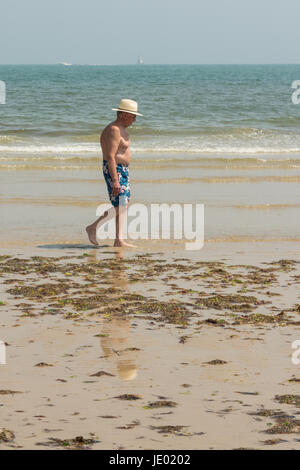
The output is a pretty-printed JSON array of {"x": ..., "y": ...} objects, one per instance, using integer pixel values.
[{"x": 162, "y": 31}]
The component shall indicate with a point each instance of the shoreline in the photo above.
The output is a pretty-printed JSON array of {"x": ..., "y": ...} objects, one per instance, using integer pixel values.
[{"x": 212, "y": 249}]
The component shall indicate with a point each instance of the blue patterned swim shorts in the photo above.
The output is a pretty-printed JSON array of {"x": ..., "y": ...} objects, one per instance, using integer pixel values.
[{"x": 123, "y": 174}]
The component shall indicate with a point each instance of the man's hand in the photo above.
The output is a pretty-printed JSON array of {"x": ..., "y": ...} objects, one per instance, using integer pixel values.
[{"x": 116, "y": 188}]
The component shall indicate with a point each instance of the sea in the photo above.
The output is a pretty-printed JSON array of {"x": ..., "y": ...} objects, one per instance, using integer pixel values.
[{"x": 225, "y": 136}]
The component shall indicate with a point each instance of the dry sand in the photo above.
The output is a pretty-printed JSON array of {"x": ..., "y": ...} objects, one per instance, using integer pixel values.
[{"x": 157, "y": 345}]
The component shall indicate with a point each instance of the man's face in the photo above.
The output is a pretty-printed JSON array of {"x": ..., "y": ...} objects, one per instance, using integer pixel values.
[{"x": 128, "y": 119}]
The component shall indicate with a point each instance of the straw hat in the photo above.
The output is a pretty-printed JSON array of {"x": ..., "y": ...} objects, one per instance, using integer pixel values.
[{"x": 128, "y": 106}]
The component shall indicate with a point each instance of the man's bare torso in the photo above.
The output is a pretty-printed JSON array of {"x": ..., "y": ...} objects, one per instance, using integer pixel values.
[{"x": 123, "y": 154}]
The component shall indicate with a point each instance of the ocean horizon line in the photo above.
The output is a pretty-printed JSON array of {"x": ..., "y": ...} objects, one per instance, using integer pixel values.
[{"x": 154, "y": 64}]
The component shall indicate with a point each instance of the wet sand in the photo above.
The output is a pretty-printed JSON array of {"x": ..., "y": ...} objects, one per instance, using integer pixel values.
[
  {"x": 159, "y": 350},
  {"x": 51, "y": 198}
]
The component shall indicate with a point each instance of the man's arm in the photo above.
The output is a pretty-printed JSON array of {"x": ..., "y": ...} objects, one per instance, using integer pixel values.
[{"x": 113, "y": 141}]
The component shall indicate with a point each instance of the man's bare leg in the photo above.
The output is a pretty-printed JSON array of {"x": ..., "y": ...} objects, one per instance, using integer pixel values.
[
  {"x": 91, "y": 230},
  {"x": 120, "y": 219}
]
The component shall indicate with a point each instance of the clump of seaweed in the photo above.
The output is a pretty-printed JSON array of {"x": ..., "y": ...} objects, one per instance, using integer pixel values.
[
  {"x": 216, "y": 362},
  {"x": 40, "y": 291},
  {"x": 6, "y": 435},
  {"x": 101, "y": 373},
  {"x": 284, "y": 264},
  {"x": 286, "y": 425},
  {"x": 177, "y": 430},
  {"x": 261, "y": 277},
  {"x": 272, "y": 442},
  {"x": 78, "y": 442},
  {"x": 267, "y": 413},
  {"x": 43, "y": 364},
  {"x": 127, "y": 396},
  {"x": 241, "y": 303},
  {"x": 213, "y": 322},
  {"x": 130, "y": 425},
  {"x": 288, "y": 399},
  {"x": 161, "y": 404},
  {"x": 256, "y": 318}
]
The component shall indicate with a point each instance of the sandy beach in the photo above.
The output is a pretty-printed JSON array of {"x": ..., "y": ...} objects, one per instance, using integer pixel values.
[
  {"x": 150, "y": 349},
  {"x": 156, "y": 347}
]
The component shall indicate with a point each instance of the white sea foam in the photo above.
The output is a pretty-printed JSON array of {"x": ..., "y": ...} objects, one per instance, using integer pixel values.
[
  {"x": 217, "y": 150},
  {"x": 49, "y": 149},
  {"x": 181, "y": 147}
]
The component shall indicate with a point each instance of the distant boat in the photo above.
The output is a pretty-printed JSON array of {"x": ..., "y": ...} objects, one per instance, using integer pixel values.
[
  {"x": 140, "y": 60},
  {"x": 64, "y": 63}
]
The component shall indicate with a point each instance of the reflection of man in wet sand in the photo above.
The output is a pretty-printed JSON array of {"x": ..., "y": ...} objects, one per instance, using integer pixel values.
[
  {"x": 115, "y": 146},
  {"x": 115, "y": 336}
]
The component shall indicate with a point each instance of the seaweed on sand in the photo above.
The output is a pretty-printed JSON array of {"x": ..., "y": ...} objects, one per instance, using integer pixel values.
[
  {"x": 161, "y": 404},
  {"x": 78, "y": 442},
  {"x": 241, "y": 303},
  {"x": 6, "y": 435},
  {"x": 40, "y": 291},
  {"x": 289, "y": 399},
  {"x": 66, "y": 297},
  {"x": 177, "y": 430},
  {"x": 129, "y": 397},
  {"x": 216, "y": 362},
  {"x": 284, "y": 425},
  {"x": 257, "y": 318},
  {"x": 101, "y": 373}
]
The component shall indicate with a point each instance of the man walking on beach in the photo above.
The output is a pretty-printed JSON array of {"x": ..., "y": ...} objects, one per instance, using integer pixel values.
[{"x": 115, "y": 146}]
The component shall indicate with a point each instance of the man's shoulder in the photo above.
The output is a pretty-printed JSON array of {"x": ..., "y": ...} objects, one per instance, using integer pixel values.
[{"x": 112, "y": 130}]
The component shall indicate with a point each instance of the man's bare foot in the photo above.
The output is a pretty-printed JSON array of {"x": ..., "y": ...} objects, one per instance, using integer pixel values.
[
  {"x": 119, "y": 243},
  {"x": 91, "y": 232}
]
